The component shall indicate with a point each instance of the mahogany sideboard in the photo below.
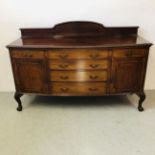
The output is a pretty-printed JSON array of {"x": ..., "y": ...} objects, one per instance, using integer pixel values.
[{"x": 79, "y": 59}]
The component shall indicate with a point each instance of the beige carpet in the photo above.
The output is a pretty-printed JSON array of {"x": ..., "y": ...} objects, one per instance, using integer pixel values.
[{"x": 77, "y": 126}]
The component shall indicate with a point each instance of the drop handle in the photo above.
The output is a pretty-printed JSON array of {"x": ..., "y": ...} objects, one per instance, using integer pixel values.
[
  {"x": 64, "y": 77},
  {"x": 93, "y": 77},
  {"x": 63, "y": 56},
  {"x": 64, "y": 89},
  {"x": 93, "y": 89},
  {"x": 94, "y": 56},
  {"x": 63, "y": 66},
  {"x": 94, "y": 65}
]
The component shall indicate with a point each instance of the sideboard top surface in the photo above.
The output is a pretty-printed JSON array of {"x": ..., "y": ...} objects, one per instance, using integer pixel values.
[{"x": 79, "y": 35}]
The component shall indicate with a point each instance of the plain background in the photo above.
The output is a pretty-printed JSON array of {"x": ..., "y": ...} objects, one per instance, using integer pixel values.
[{"x": 15, "y": 14}]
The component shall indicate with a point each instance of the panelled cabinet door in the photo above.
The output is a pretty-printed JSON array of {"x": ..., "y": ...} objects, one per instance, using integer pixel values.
[
  {"x": 30, "y": 75},
  {"x": 127, "y": 75}
]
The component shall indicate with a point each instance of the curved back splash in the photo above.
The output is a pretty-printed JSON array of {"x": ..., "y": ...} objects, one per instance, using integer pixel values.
[{"x": 78, "y": 29}]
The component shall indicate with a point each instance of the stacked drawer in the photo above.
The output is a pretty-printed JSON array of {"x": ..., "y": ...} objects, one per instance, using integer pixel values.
[{"x": 78, "y": 71}]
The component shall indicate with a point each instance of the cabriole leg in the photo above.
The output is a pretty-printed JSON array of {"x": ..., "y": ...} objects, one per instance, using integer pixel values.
[
  {"x": 142, "y": 97},
  {"x": 17, "y": 98}
]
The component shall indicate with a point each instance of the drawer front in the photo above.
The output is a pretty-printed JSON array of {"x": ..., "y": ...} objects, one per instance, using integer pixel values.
[
  {"x": 78, "y": 54},
  {"x": 78, "y": 65},
  {"x": 61, "y": 88},
  {"x": 36, "y": 54},
  {"x": 122, "y": 53},
  {"x": 78, "y": 76}
]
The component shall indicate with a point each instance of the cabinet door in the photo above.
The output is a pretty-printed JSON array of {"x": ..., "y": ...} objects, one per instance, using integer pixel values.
[
  {"x": 30, "y": 75},
  {"x": 127, "y": 75}
]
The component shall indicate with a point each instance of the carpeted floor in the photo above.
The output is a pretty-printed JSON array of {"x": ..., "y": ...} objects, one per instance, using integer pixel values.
[{"x": 77, "y": 126}]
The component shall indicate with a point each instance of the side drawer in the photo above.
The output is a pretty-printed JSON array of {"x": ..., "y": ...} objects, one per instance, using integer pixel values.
[
  {"x": 63, "y": 54},
  {"x": 125, "y": 53},
  {"x": 35, "y": 54},
  {"x": 78, "y": 65},
  {"x": 64, "y": 88},
  {"x": 79, "y": 76}
]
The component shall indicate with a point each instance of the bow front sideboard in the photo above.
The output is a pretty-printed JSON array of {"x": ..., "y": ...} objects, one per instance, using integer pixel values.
[{"x": 79, "y": 59}]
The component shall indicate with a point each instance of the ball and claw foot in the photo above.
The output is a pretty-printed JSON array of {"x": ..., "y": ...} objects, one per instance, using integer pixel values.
[
  {"x": 19, "y": 108},
  {"x": 17, "y": 98},
  {"x": 140, "y": 108},
  {"x": 142, "y": 98}
]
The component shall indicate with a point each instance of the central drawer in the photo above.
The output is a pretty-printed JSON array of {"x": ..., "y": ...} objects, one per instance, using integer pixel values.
[
  {"x": 63, "y": 54},
  {"x": 64, "y": 88},
  {"x": 78, "y": 64},
  {"x": 78, "y": 76}
]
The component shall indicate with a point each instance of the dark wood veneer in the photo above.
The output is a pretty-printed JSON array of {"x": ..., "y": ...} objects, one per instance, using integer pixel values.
[
  {"x": 79, "y": 29},
  {"x": 79, "y": 59}
]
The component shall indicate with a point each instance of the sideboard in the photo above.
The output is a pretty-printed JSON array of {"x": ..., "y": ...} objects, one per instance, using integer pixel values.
[{"x": 79, "y": 59}]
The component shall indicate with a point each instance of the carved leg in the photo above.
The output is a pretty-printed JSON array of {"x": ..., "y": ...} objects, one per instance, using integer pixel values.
[
  {"x": 17, "y": 98},
  {"x": 142, "y": 98}
]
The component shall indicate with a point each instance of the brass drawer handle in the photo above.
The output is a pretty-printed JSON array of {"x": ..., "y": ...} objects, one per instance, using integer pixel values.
[
  {"x": 63, "y": 66},
  {"x": 28, "y": 55},
  {"x": 64, "y": 77},
  {"x": 94, "y": 56},
  {"x": 93, "y": 89},
  {"x": 64, "y": 89},
  {"x": 94, "y": 65},
  {"x": 93, "y": 77},
  {"x": 63, "y": 56}
]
